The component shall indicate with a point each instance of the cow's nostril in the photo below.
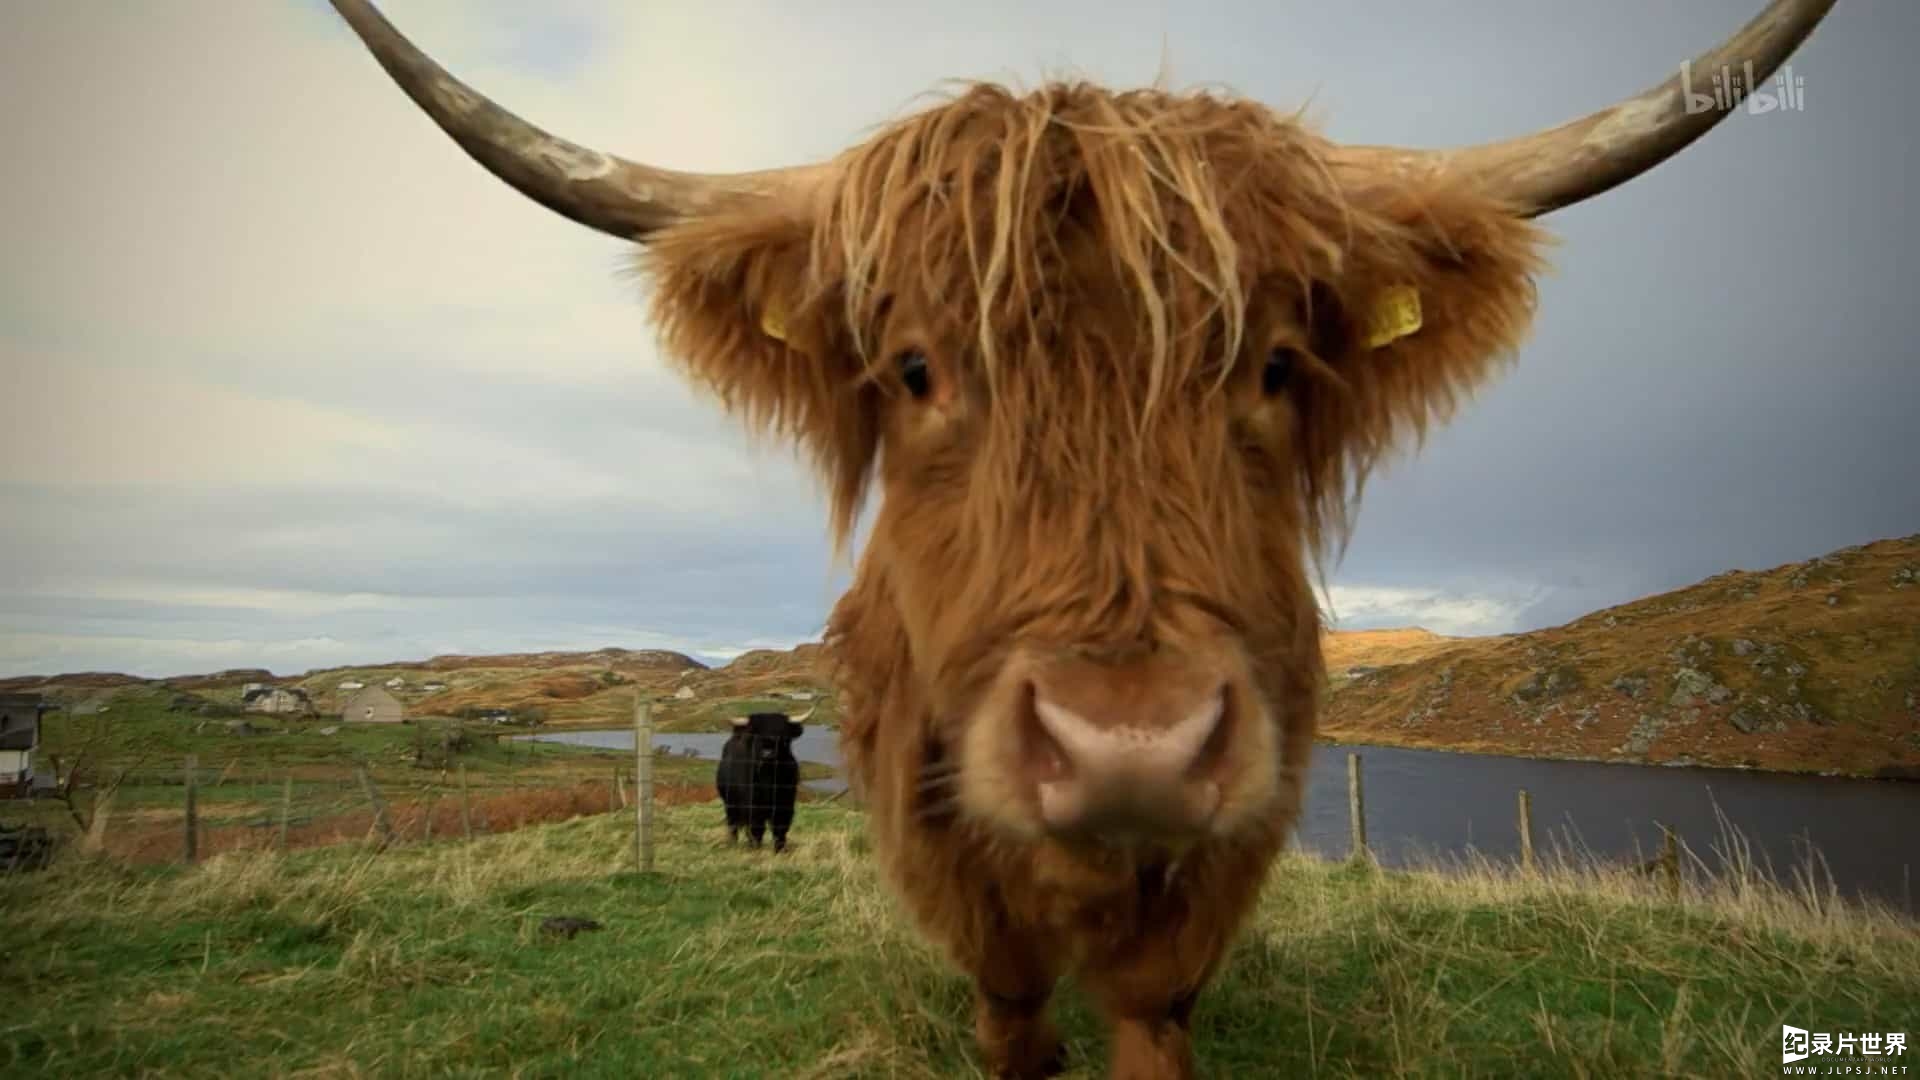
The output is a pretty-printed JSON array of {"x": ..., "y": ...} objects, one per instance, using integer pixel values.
[
  {"x": 1213, "y": 753},
  {"x": 1042, "y": 755}
]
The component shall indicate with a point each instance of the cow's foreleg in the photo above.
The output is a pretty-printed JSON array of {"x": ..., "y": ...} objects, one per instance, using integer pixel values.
[
  {"x": 782, "y": 822},
  {"x": 1012, "y": 984},
  {"x": 1147, "y": 992},
  {"x": 1153, "y": 1042}
]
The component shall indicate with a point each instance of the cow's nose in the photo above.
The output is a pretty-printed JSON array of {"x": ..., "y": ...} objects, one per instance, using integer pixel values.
[{"x": 1128, "y": 765}]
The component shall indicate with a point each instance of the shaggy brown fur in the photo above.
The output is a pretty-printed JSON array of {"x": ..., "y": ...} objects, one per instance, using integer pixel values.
[{"x": 1096, "y": 280}]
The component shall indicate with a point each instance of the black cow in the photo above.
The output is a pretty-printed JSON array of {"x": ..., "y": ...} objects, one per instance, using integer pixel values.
[{"x": 758, "y": 776}]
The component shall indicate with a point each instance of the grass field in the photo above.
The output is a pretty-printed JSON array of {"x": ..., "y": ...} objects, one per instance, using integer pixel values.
[
  {"x": 246, "y": 784},
  {"x": 428, "y": 959}
]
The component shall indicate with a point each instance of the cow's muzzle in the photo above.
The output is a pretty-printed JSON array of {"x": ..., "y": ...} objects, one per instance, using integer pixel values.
[
  {"x": 1135, "y": 775},
  {"x": 1145, "y": 751}
]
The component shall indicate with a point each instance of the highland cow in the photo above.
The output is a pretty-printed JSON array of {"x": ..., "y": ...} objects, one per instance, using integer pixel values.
[
  {"x": 1118, "y": 363},
  {"x": 758, "y": 777}
]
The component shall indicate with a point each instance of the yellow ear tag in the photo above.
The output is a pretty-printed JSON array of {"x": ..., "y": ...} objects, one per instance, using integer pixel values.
[
  {"x": 1395, "y": 315},
  {"x": 773, "y": 322}
]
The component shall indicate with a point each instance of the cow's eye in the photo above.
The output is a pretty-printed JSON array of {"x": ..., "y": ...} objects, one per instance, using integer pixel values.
[
  {"x": 914, "y": 372},
  {"x": 1273, "y": 377}
]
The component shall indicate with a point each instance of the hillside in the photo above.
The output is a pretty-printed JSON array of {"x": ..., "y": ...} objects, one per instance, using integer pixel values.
[
  {"x": 1812, "y": 666},
  {"x": 561, "y": 688},
  {"x": 1808, "y": 667},
  {"x": 1348, "y": 650}
]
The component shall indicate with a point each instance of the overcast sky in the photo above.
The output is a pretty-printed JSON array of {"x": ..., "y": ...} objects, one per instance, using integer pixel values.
[{"x": 290, "y": 382}]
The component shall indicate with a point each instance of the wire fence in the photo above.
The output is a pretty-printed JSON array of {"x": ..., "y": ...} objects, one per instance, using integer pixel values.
[
  {"x": 293, "y": 786},
  {"x": 287, "y": 784}
]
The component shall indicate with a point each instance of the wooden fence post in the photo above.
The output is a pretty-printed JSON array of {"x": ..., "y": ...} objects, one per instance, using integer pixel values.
[
  {"x": 286, "y": 809},
  {"x": 643, "y": 777},
  {"x": 426, "y": 826},
  {"x": 466, "y": 803},
  {"x": 380, "y": 819},
  {"x": 193, "y": 811},
  {"x": 1670, "y": 862},
  {"x": 1356, "y": 807},
  {"x": 96, "y": 839},
  {"x": 1526, "y": 831}
]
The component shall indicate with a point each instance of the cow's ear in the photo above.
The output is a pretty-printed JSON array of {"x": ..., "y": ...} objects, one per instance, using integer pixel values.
[
  {"x": 745, "y": 314},
  {"x": 1431, "y": 296}
]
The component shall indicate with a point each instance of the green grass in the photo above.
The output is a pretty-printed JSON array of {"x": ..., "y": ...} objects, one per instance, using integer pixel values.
[
  {"x": 241, "y": 778},
  {"x": 428, "y": 960},
  {"x": 140, "y": 728}
]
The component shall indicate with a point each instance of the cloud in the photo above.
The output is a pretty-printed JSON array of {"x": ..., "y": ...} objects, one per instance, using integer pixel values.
[
  {"x": 292, "y": 381},
  {"x": 1360, "y": 607}
]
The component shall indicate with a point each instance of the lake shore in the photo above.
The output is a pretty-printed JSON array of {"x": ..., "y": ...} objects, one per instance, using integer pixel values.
[{"x": 1348, "y": 740}]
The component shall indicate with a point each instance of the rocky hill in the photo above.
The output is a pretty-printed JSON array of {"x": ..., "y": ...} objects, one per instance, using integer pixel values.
[
  {"x": 1808, "y": 667},
  {"x": 558, "y": 688},
  {"x": 1360, "y": 651},
  {"x": 1813, "y": 666}
]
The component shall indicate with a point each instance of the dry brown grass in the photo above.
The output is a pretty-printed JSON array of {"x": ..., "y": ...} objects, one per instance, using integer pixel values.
[
  {"x": 157, "y": 837},
  {"x": 1344, "y": 649}
]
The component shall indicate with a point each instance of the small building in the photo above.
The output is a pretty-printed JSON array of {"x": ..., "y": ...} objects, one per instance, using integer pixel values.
[
  {"x": 278, "y": 700},
  {"x": 685, "y": 693},
  {"x": 433, "y": 687},
  {"x": 396, "y": 683},
  {"x": 372, "y": 705},
  {"x": 351, "y": 685},
  {"x": 494, "y": 716},
  {"x": 19, "y": 736}
]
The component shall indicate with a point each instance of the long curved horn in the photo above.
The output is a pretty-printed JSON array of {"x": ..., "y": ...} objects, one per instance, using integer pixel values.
[
  {"x": 601, "y": 191},
  {"x": 802, "y": 718},
  {"x": 1555, "y": 168}
]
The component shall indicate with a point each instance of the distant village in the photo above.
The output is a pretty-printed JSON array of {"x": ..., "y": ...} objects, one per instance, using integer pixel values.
[
  {"x": 21, "y": 715},
  {"x": 362, "y": 703}
]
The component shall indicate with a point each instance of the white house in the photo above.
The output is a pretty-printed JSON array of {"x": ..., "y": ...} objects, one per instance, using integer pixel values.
[
  {"x": 19, "y": 736},
  {"x": 290, "y": 700},
  {"x": 351, "y": 685},
  {"x": 373, "y": 705}
]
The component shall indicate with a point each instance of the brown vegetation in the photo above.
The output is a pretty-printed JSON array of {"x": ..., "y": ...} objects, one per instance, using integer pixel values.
[
  {"x": 1810, "y": 666},
  {"x": 156, "y": 838}
]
